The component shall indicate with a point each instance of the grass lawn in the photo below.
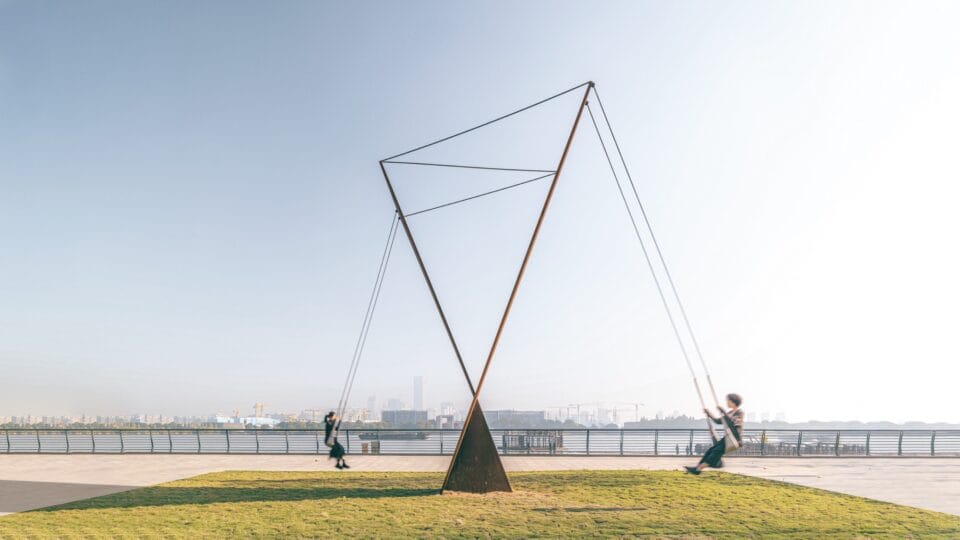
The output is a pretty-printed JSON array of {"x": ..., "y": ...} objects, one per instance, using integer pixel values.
[{"x": 545, "y": 504}]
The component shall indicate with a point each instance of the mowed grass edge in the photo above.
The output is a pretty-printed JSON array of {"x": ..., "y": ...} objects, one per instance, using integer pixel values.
[{"x": 571, "y": 504}]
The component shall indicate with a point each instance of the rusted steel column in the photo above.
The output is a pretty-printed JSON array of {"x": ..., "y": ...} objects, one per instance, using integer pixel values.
[
  {"x": 516, "y": 285},
  {"x": 426, "y": 276}
]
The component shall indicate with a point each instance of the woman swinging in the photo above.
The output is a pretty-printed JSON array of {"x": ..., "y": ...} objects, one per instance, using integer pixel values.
[
  {"x": 336, "y": 449},
  {"x": 733, "y": 424}
]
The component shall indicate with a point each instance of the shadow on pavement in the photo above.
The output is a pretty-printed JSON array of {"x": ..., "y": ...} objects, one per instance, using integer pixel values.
[{"x": 21, "y": 495}]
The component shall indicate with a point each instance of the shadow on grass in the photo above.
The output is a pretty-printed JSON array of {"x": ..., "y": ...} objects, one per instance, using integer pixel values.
[{"x": 172, "y": 495}]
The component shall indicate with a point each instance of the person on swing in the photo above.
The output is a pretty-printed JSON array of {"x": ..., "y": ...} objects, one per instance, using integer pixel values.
[
  {"x": 330, "y": 438},
  {"x": 733, "y": 422}
]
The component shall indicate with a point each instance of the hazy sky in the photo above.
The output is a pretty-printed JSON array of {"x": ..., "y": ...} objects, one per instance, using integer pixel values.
[{"x": 192, "y": 212}]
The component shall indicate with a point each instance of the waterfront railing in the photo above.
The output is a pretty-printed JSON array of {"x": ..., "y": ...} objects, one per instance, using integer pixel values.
[{"x": 561, "y": 442}]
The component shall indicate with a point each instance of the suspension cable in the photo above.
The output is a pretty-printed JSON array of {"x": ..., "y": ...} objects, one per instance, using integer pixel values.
[
  {"x": 485, "y": 124},
  {"x": 653, "y": 273},
  {"x": 673, "y": 287},
  {"x": 477, "y": 196},
  {"x": 367, "y": 320}
]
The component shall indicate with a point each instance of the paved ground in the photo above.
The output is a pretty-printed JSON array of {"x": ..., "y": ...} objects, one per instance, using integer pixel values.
[{"x": 35, "y": 481}]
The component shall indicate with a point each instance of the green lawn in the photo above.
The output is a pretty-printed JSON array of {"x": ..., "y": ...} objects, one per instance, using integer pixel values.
[{"x": 545, "y": 504}]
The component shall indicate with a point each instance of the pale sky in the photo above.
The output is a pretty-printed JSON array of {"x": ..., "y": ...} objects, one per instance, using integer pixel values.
[{"x": 192, "y": 210}]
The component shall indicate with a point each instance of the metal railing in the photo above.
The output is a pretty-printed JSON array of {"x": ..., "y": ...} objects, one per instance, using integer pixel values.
[{"x": 592, "y": 442}]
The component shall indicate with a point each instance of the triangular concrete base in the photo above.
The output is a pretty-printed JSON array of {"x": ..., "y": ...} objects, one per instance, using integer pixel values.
[{"x": 476, "y": 466}]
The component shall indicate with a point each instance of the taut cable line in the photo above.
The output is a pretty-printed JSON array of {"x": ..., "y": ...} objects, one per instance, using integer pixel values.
[
  {"x": 475, "y": 167},
  {"x": 367, "y": 321},
  {"x": 656, "y": 244},
  {"x": 653, "y": 273},
  {"x": 485, "y": 124},
  {"x": 477, "y": 196}
]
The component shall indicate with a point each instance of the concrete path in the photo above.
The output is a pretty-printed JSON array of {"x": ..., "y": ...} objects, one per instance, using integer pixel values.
[{"x": 30, "y": 481}]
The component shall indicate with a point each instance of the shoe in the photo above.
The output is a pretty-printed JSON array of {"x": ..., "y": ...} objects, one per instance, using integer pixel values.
[
  {"x": 692, "y": 470},
  {"x": 345, "y": 466},
  {"x": 339, "y": 466}
]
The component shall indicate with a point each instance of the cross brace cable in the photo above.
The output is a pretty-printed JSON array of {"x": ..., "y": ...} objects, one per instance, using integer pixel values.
[
  {"x": 456, "y": 166},
  {"x": 487, "y": 123},
  {"x": 477, "y": 196}
]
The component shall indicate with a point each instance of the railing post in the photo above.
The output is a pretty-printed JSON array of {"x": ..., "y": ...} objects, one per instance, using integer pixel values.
[
  {"x": 900, "y": 444},
  {"x": 933, "y": 443},
  {"x": 316, "y": 435},
  {"x": 6, "y": 433},
  {"x": 868, "y": 443},
  {"x": 286, "y": 440},
  {"x": 170, "y": 442},
  {"x": 836, "y": 445},
  {"x": 690, "y": 447},
  {"x": 121, "y": 441},
  {"x": 656, "y": 442},
  {"x": 763, "y": 442},
  {"x": 38, "y": 440},
  {"x": 588, "y": 442},
  {"x": 226, "y": 433},
  {"x": 93, "y": 442},
  {"x": 199, "y": 444},
  {"x": 441, "y": 441},
  {"x": 66, "y": 439},
  {"x": 256, "y": 437},
  {"x": 621, "y": 441},
  {"x": 799, "y": 441},
  {"x": 348, "y": 440},
  {"x": 150, "y": 434}
]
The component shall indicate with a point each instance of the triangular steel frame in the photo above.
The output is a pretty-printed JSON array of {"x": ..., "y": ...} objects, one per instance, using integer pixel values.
[{"x": 476, "y": 466}]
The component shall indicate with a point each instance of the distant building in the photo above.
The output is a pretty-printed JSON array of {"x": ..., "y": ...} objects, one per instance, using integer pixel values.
[
  {"x": 372, "y": 407},
  {"x": 403, "y": 418},
  {"x": 513, "y": 417},
  {"x": 395, "y": 404},
  {"x": 447, "y": 421},
  {"x": 418, "y": 393},
  {"x": 247, "y": 421},
  {"x": 447, "y": 407}
]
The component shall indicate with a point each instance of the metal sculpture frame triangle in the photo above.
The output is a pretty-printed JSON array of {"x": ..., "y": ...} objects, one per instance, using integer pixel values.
[{"x": 476, "y": 466}]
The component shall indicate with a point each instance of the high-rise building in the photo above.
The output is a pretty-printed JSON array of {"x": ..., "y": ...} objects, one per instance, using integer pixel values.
[
  {"x": 418, "y": 393},
  {"x": 372, "y": 407}
]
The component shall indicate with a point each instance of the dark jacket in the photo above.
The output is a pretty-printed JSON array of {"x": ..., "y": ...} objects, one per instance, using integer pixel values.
[{"x": 329, "y": 424}]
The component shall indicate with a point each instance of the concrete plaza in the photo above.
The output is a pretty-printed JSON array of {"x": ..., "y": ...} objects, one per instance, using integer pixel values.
[{"x": 29, "y": 481}]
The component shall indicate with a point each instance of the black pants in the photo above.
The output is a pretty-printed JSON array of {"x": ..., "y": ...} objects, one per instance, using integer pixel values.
[
  {"x": 337, "y": 451},
  {"x": 714, "y": 455}
]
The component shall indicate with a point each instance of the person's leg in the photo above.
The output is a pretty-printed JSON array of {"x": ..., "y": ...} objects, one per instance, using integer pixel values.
[
  {"x": 343, "y": 460},
  {"x": 713, "y": 456},
  {"x": 340, "y": 451}
]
